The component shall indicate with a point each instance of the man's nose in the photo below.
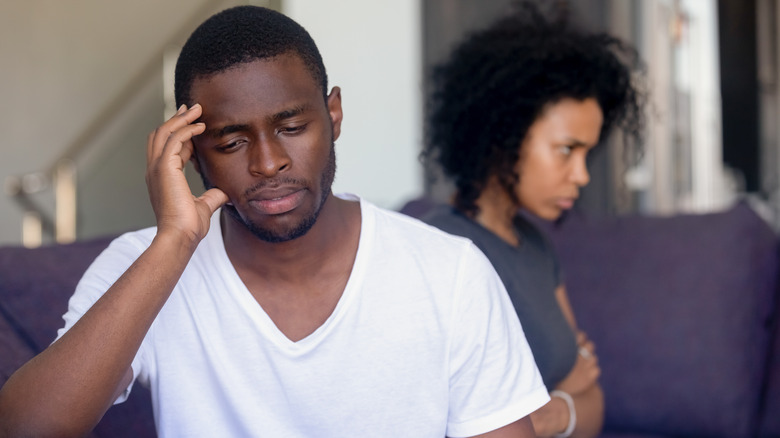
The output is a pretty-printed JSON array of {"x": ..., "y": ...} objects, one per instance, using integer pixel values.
[{"x": 268, "y": 157}]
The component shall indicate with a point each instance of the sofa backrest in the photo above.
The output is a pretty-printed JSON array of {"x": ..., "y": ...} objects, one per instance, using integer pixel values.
[
  {"x": 680, "y": 309},
  {"x": 15, "y": 351},
  {"x": 35, "y": 285},
  {"x": 769, "y": 427}
]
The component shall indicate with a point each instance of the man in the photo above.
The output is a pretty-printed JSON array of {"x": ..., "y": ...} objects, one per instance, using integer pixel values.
[{"x": 267, "y": 306}]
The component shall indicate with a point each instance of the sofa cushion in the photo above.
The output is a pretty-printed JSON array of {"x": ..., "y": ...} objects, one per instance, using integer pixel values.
[
  {"x": 15, "y": 351},
  {"x": 35, "y": 285},
  {"x": 769, "y": 426},
  {"x": 679, "y": 310},
  {"x": 630, "y": 435}
]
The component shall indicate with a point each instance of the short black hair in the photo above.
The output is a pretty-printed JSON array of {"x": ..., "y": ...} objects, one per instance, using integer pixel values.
[
  {"x": 498, "y": 81},
  {"x": 239, "y": 35}
]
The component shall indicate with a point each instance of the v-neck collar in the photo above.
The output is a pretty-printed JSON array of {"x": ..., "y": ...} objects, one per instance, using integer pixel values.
[{"x": 264, "y": 322}]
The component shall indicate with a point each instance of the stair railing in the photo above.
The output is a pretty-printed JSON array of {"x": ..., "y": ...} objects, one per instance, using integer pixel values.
[{"x": 61, "y": 175}]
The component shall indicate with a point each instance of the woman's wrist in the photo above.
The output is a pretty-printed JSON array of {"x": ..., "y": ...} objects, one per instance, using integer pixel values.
[{"x": 572, "y": 423}]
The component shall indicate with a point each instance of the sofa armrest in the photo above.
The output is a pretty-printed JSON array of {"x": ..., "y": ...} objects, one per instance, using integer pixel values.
[
  {"x": 35, "y": 285},
  {"x": 679, "y": 309}
]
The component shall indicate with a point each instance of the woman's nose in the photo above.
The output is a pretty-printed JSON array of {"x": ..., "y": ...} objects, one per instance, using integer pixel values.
[{"x": 579, "y": 172}]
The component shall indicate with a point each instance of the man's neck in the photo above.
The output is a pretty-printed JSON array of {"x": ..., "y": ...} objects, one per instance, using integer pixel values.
[
  {"x": 298, "y": 283},
  {"x": 330, "y": 239}
]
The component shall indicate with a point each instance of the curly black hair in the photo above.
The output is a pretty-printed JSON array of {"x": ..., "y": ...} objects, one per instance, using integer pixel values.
[
  {"x": 239, "y": 35},
  {"x": 497, "y": 82}
]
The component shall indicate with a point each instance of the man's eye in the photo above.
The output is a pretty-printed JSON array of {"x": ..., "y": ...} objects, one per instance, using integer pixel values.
[
  {"x": 292, "y": 129},
  {"x": 230, "y": 146},
  {"x": 565, "y": 150}
]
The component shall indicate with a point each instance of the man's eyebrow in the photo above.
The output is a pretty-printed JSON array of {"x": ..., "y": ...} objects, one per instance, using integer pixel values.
[
  {"x": 274, "y": 118},
  {"x": 288, "y": 113},
  {"x": 225, "y": 130}
]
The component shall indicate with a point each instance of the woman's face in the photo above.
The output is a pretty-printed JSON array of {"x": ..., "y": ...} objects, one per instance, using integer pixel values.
[{"x": 552, "y": 164}]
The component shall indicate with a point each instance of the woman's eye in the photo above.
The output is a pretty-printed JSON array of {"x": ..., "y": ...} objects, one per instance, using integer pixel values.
[{"x": 565, "y": 150}]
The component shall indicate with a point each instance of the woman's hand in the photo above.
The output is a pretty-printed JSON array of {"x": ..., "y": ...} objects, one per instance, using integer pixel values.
[
  {"x": 582, "y": 385},
  {"x": 551, "y": 418},
  {"x": 586, "y": 370}
]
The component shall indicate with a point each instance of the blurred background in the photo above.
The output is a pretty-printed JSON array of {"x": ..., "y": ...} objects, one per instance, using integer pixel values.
[{"x": 83, "y": 82}]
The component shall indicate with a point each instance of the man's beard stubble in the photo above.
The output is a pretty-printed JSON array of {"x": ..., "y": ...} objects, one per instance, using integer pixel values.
[{"x": 303, "y": 227}]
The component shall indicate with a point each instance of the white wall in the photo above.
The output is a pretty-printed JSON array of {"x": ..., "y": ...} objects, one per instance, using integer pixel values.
[
  {"x": 63, "y": 62},
  {"x": 371, "y": 50}
]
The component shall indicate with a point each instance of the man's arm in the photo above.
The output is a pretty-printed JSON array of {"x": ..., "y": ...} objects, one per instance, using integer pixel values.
[
  {"x": 496, "y": 383},
  {"x": 521, "y": 428},
  {"x": 66, "y": 389}
]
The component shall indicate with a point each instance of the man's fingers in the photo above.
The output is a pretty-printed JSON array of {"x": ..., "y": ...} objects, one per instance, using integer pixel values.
[
  {"x": 186, "y": 152},
  {"x": 149, "y": 147},
  {"x": 214, "y": 198},
  {"x": 160, "y": 136},
  {"x": 180, "y": 142}
]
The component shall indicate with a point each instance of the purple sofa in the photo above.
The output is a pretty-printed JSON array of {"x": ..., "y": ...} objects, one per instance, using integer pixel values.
[
  {"x": 683, "y": 311},
  {"x": 35, "y": 285},
  {"x": 684, "y": 314}
]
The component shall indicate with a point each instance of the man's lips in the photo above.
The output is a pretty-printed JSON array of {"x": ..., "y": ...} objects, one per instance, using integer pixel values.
[{"x": 277, "y": 201}]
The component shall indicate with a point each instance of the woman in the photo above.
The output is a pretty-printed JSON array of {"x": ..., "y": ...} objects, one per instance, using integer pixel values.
[{"x": 514, "y": 112}]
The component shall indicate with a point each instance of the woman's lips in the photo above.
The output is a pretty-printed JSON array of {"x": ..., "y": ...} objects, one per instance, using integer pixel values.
[
  {"x": 565, "y": 203},
  {"x": 273, "y": 205}
]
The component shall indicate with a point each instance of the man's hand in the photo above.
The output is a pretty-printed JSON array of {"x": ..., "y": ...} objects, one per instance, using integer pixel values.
[
  {"x": 177, "y": 210},
  {"x": 66, "y": 389}
]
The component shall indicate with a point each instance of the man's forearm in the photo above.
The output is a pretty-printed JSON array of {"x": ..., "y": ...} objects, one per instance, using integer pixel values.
[{"x": 67, "y": 388}]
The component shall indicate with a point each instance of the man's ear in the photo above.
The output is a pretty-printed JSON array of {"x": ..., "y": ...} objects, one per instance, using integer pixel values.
[{"x": 334, "y": 109}]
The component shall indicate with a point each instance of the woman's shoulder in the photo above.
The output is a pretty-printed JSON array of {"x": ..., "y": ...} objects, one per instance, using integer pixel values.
[
  {"x": 449, "y": 219},
  {"x": 531, "y": 233}
]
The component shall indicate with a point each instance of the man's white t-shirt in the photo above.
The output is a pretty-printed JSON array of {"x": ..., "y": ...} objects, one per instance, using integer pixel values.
[{"x": 423, "y": 342}]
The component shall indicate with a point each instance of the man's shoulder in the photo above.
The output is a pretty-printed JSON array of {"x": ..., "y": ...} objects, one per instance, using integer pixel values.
[
  {"x": 140, "y": 239},
  {"x": 405, "y": 227},
  {"x": 392, "y": 234},
  {"x": 137, "y": 239}
]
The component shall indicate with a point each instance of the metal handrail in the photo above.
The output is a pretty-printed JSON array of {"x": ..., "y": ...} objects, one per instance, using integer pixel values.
[{"x": 61, "y": 174}]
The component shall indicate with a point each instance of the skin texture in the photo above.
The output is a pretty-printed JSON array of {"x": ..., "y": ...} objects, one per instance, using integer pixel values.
[
  {"x": 262, "y": 136},
  {"x": 273, "y": 157},
  {"x": 552, "y": 168},
  {"x": 290, "y": 128},
  {"x": 552, "y": 160},
  {"x": 66, "y": 389}
]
